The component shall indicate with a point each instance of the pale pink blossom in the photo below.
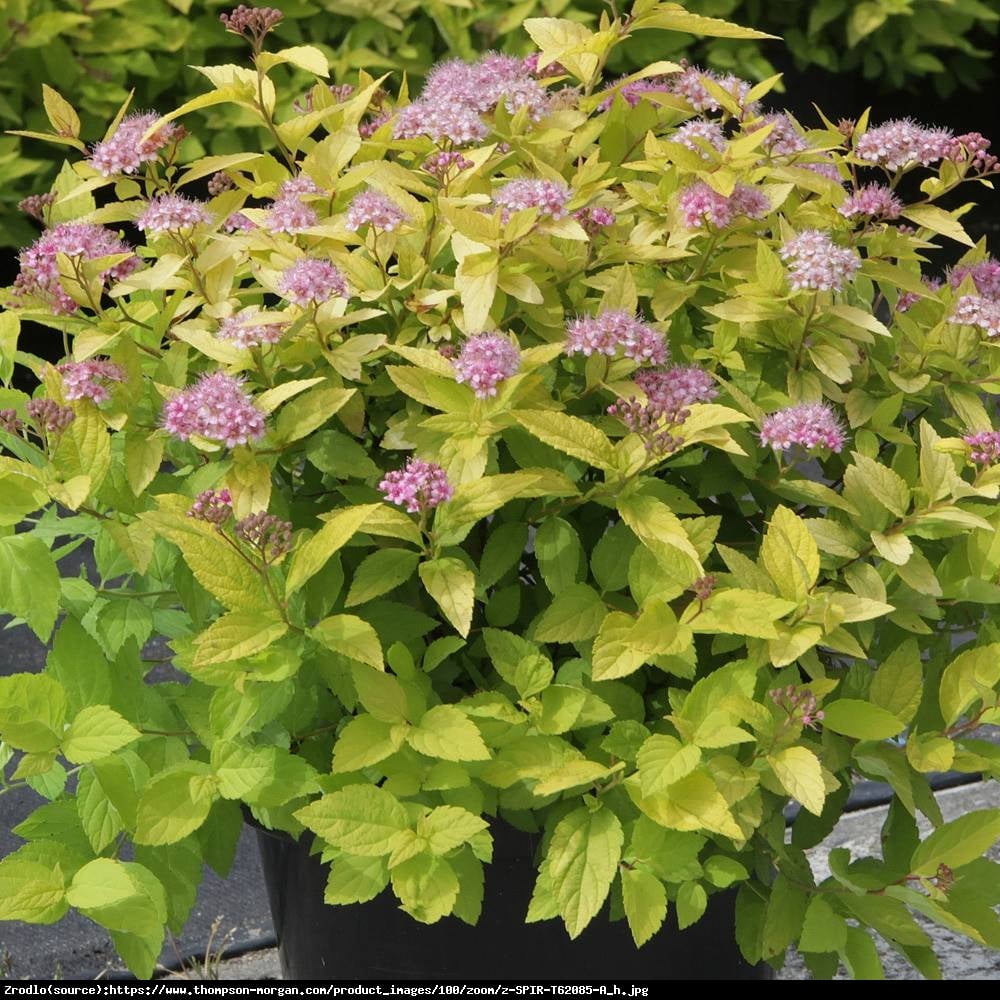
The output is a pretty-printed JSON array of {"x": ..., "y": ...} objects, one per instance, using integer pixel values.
[
  {"x": 89, "y": 379},
  {"x": 216, "y": 407},
  {"x": 311, "y": 280},
  {"x": 441, "y": 163},
  {"x": 700, "y": 203},
  {"x": 901, "y": 143},
  {"x": 485, "y": 361},
  {"x": 875, "y": 201},
  {"x": 985, "y": 276},
  {"x": 783, "y": 139},
  {"x": 594, "y": 219},
  {"x": 549, "y": 197},
  {"x": 614, "y": 331},
  {"x": 246, "y": 329},
  {"x": 237, "y": 222},
  {"x": 39, "y": 271},
  {"x": 168, "y": 213},
  {"x": 698, "y": 134},
  {"x": 418, "y": 487},
  {"x": 975, "y": 310},
  {"x": 984, "y": 445},
  {"x": 125, "y": 150},
  {"x": 375, "y": 209},
  {"x": 808, "y": 425},
  {"x": 816, "y": 262}
]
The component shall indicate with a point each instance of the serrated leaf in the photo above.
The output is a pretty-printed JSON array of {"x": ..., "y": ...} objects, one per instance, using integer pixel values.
[
  {"x": 568, "y": 434},
  {"x": 898, "y": 682},
  {"x": 860, "y": 720},
  {"x": 452, "y": 585},
  {"x": 237, "y": 635},
  {"x": 645, "y": 900},
  {"x": 95, "y": 732},
  {"x": 581, "y": 863},
  {"x": 967, "y": 678},
  {"x": 446, "y": 733},
  {"x": 380, "y": 573},
  {"x": 575, "y": 614},
  {"x": 350, "y": 636},
  {"x": 355, "y": 880},
  {"x": 364, "y": 820},
  {"x": 309, "y": 558},
  {"x": 823, "y": 930},
  {"x": 790, "y": 555},
  {"x": 365, "y": 741},
  {"x": 31, "y": 891},
  {"x": 174, "y": 804},
  {"x": 957, "y": 843},
  {"x": 663, "y": 760},
  {"x": 448, "y": 827},
  {"x": 692, "y": 901},
  {"x": 801, "y": 775},
  {"x": 29, "y": 582},
  {"x": 427, "y": 887}
]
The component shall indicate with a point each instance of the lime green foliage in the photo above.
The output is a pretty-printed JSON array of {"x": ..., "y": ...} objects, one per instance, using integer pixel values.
[
  {"x": 98, "y": 53},
  {"x": 642, "y": 632}
]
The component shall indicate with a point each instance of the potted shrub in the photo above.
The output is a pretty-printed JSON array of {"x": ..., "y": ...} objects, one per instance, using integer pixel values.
[{"x": 590, "y": 457}]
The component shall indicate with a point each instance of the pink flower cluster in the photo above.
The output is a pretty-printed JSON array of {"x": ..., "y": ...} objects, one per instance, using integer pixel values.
[
  {"x": 89, "y": 379},
  {"x": 985, "y": 276},
  {"x": 985, "y": 446},
  {"x": 219, "y": 182},
  {"x": 418, "y": 486},
  {"x": 215, "y": 407},
  {"x": 371, "y": 125},
  {"x": 485, "y": 361},
  {"x": 700, "y": 203},
  {"x": 976, "y": 310},
  {"x": 458, "y": 93},
  {"x": 632, "y": 92},
  {"x": 698, "y": 134},
  {"x": 783, "y": 139},
  {"x": 168, "y": 213},
  {"x": 689, "y": 84},
  {"x": 594, "y": 219},
  {"x": 808, "y": 425},
  {"x": 549, "y": 197},
  {"x": 908, "y": 299},
  {"x": 125, "y": 150},
  {"x": 615, "y": 330},
  {"x": 311, "y": 280},
  {"x": 245, "y": 329},
  {"x": 875, "y": 201},
  {"x": 375, "y": 209},
  {"x": 816, "y": 262},
  {"x": 669, "y": 394},
  {"x": 238, "y": 223},
  {"x": 289, "y": 213},
  {"x": 902, "y": 142},
  {"x": 800, "y": 705},
  {"x": 213, "y": 506},
  {"x": 39, "y": 272},
  {"x": 48, "y": 416}
]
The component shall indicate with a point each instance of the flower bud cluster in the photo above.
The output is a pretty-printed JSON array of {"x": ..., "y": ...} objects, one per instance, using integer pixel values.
[
  {"x": 253, "y": 23},
  {"x": 10, "y": 422},
  {"x": 213, "y": 506},
  {"x": 984, "y": 445},
  {"x": 800, "y": 704},
  {"x": 48, "y": 416},
  {"x": 37, "y": 205},
  {"x": 267, "y": 533}
]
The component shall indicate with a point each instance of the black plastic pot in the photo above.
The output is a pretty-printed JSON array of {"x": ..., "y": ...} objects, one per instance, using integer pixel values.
[{"x": 377, "y": 940}]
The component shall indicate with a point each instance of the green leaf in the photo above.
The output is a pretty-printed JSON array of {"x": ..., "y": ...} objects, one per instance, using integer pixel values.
[
  {"x": 310, "y": 558},
  {"x": 823, "y": 930},
  {"x": 786, "y": 907},
  {"x": 559, "y": 554},
  {"x": 692, "y": 901},
  {"x": 379, "y": 573},
  {"x": 29, "y": 582},
  {"x": 801, "y": 775},
  {"x": 790, "y": 556},
  {"x": 448, "y": 827},
  {"x": 937, "y": 220},
  {"x": 355, "y": 880},
  {"x": 661, "y": 531},
  {"x": 957, "y": 843},
  {"x": 31, "y": 891},
  {"x": 350, "y": 636},
  {"x": 98, "y": 816},
  {"x": 663, "y": 760},
  {"x": 427, "y": 887},
  {"x": 722, "y": 872},
  {"x": 645, "y": 902},
  {"x": 967, "y": 679},
  {"x": 452, "y": 585},
  {"x": 447, "y": 733},
  {"x": 860, "y": 720},
  {"x": 886, "y": 486},
  {"x": 237, "y": 635},
  {"x": 32, "y": 712},
  {"x": 365, "y": 741},
  {"x": 381, "y": 694},
  {"x": 673, "y": 17},
  {"x": 96, "y": 732},
  {"x": 575, "y": 614},
  {"x": 174, "y": 804},
  {"x": 898, "y": 683},
  {"x": 121, "y": 896},
  {"x": 740, "y": 612},
  {"x": 581, "y": 863},
  {"x": 570, "y": 435},
  {"x": 364, "y": 820},
  {"x": 311, "y": 410}
]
